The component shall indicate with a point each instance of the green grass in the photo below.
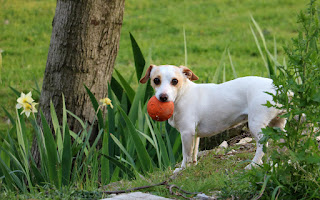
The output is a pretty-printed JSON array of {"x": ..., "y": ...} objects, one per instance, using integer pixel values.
[
  {"x": 25, "y": 30},
  {"x": 212, "y": 174}
]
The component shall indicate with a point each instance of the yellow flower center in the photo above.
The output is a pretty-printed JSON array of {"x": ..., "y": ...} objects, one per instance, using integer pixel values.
[{"x": 28, "y": 107}]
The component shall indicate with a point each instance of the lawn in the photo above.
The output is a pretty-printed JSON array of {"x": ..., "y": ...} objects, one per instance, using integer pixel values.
[
  {"x": 210, "y": 27},
  {"x": 214, "y": 33}
]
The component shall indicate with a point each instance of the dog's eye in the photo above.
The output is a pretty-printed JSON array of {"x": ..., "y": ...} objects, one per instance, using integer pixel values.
[
  {"x": 174, "y": 81},
  {"x": 156, "y": 81}
]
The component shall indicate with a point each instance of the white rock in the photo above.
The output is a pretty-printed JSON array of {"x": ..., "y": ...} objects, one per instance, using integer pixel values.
[
  {"x": 224, "y": 144},
  {"x": 202, "y": 196},
  {"x": 244, "y": 141},
  {"x": 231, "y": 152},
  {"x": 135, "y": 196}
]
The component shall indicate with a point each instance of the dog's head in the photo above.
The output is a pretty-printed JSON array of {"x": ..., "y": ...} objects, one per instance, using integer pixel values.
[{"x": 167, "y": 80}]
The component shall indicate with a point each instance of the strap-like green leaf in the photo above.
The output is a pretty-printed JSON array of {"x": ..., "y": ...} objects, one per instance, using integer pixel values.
[
  {"x": 95, "y": 105},
  {"x": 126, "y": 86},
  {"x": 125, "y": 169},
  {"x": 142, "y": 153},
  {"x": 139, "y": 60},
  {"x": 66, "y": 157},
  {"x": 51, "y": 152}
]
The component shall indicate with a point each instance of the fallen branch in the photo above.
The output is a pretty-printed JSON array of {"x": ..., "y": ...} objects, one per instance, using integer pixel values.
[
  {"x": 170, "y": 187},
  {"x": 135, "y": 189}
]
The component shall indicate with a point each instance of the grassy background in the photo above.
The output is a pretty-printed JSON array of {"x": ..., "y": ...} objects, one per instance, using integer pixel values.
[{"x": 211, "y": 26}]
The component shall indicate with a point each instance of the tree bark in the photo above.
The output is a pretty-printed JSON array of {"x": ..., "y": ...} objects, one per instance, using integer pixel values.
[{"x": 83, "y": 48}]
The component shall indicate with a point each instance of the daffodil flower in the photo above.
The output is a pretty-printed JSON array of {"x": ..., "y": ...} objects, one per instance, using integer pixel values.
[
  {"x": 29, "y": 108},
  {"x": 26, "y": 102},
  {"x": 106, "y": 101}
]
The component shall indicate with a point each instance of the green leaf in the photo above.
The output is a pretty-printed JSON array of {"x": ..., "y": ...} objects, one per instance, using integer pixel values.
[
  {"x": 263, "y": 186},
  {"x": 56, "y": 127},
  {"x": 232, "y": 66},
  {"x": 125, "y": 169},
  {"x": 169, "y": 147},
  {"x": 268, "y": 104},
  {"x": 94, "y": 145},
  {"x": 95, "y": 105},
  {"x": 139, "y": 60},
  {"x": 155, "y": 142},
  {"x": 12, "y": 178},
  {"x": 9, "y": 116},
  {"x": 176, "y": 146},
  {"x": 9, "y": 181},
  {"x": 142, "y": 153},
  {"x": 66, "y": 157},
  {"x": 41, "y": 148},
  {"x": 126, "y": 86},
  {"x": 64, "y": 114},
  {"x": 116, "y": 88},
  {"x": 270, "y": 68},
  {"x": 16, "y": 92},
  {"x": 149, "y": 90},
  {"x": 185, "y": 47},
  {"x": 37, "y": 89},
  {"x": 138, "y": 99},
  {"x": 216, "y": 78},
  {"x": 131, "y": 161},
  {"x": 105, "y": 166},
  {"x": 39, "y": 178},
  {"x": 115, "y": 175},
  {"x": 163, "y": 149},
  {"x": 51, "y": 152}
]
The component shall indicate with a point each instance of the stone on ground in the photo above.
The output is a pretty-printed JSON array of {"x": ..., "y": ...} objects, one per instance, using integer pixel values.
[{"x": 135, "y": 196}]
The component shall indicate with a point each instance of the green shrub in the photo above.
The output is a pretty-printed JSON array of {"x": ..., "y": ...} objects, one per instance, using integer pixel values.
[{"x": 293, "y": 167}]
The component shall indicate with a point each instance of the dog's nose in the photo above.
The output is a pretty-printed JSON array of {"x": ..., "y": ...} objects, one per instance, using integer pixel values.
[{"x": 163, "y": 97}]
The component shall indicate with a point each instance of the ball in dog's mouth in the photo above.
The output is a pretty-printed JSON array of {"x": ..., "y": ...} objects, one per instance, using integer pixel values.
[{"x": 160, "y": 111}]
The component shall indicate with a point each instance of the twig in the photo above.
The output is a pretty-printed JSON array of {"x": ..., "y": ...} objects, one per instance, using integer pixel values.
[
  {"x": 180, "y": 192},
  {"x": 136, "y": 188},
  {"x": 171, "y": 186}
]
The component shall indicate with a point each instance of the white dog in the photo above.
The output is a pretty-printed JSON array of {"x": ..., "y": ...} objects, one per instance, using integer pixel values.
[{"x": 202, "y": 110}]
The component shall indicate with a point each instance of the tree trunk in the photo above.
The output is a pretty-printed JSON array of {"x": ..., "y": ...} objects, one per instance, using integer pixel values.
[{"x": 83, "y": 48}]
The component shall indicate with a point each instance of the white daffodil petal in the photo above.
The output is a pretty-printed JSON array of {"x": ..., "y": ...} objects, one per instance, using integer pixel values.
[
  {"x": 28, "y": 113},
  {"x": 18, "y": 106}
]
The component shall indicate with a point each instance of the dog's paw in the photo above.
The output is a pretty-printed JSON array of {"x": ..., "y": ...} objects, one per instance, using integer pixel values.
[
  {"x": 248, "y": 167},
  {"x": 177, "y": 170},
  {"x": 252, "y": 165}
]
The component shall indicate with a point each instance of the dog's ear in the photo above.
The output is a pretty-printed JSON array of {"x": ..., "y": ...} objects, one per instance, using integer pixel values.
[
  {"x": 188, "y": 73},
  {"x": 147, "y": 76}
]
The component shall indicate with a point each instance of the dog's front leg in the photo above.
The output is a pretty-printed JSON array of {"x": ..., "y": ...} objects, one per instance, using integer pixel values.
[
  {"x": 188, "y": 142},
  {"x": 196, "y": 149}
]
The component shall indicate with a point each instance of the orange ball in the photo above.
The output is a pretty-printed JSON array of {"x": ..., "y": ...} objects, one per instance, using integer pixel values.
[{"x": 158, "y": 110}]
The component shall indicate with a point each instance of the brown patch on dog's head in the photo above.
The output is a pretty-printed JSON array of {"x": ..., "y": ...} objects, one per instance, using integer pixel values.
[
  {"x": 188, "y": 73},
  {"x": 147, "y": 75}
]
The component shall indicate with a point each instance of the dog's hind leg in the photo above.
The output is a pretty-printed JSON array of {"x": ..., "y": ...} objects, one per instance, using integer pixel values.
[{"x": 255, "y": 129}]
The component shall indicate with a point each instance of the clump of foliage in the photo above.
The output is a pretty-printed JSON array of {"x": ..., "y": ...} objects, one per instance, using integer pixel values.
[
  {"x": 293, "y": 168},
  {"x": 131, "y": 143}
]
